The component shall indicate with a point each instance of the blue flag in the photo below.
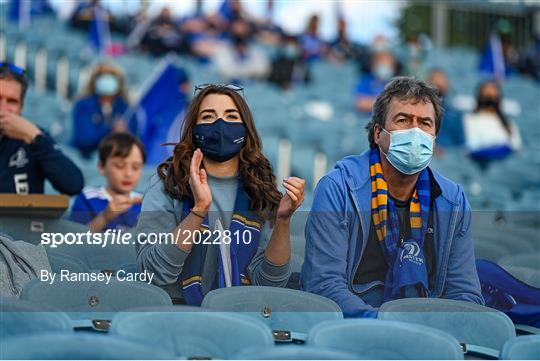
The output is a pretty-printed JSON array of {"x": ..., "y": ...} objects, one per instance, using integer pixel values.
[
  {"x": 99, "y": 33},
  {"x": 20, "y": 12},
  {"x": 158, "y": 115}
]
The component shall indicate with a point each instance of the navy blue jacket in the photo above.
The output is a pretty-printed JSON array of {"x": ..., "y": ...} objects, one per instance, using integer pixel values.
[
  {"x": 90, "y": 125},
  {"x": 24, "y": 167}
]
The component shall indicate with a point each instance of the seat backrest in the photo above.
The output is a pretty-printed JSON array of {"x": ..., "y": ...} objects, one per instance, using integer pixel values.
[
  {"x": 193, "y": 334},
  {"x": 78, "y": 347},
  {"x": 529, "y": 260},
  {"x": 94, "y": 296},
  {"x": 20, "y": 317},
  {"x": 385, "y": 340},
  {"x": 522, "y": 348},
  {"x": 468, "y": 322},
  {"x": 281, "y": 309},
  {"x": 293, "y": 352}
]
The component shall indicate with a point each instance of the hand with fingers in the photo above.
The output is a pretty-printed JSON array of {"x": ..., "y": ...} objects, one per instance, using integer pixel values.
[
  {"x": 293, "y": 197},
  {"x": 198, "y": 181},
  {"x": 14, "y": 126},
  {"x": 118, "y": 205}
]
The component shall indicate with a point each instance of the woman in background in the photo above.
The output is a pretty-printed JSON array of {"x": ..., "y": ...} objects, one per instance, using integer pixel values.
[{"x": 100, "y": 109}]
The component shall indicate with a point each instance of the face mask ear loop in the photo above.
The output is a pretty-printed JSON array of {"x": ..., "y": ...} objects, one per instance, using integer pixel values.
[{"x": 380, "y": 148}]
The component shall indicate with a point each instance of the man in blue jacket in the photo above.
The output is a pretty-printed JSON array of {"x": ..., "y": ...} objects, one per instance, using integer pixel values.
[
  {"x": 28, "y": 155},
  {"x": 385, "y": 226}
]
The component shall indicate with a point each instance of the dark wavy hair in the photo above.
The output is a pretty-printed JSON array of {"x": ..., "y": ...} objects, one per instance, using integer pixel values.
[{"x": 254, "y": 168}]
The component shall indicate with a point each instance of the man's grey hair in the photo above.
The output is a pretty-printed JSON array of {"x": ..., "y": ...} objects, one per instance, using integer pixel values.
[{"x": 404, "y": 89}]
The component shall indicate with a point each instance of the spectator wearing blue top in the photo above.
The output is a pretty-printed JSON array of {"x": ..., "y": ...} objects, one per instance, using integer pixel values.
[
  {"x": 383, "y": 67},
  {"x": 116, "y": 205},
  {"x": 101, "y": 108},
  {"x": 312, "y": 46},
  {"x": 28, "y": 155},
  {"x": 385, "y": 226},
  {"x": 451, "y": 134}
]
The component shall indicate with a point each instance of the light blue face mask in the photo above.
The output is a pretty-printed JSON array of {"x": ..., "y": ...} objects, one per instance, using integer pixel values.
[
  {"x": 106, "y": 84},
  {"x": 410, "y": 150}
]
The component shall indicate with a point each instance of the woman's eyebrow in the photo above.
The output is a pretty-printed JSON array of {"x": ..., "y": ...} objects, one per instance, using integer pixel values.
[
  {"x": 231, "y": 111},
  {"x": 208, "y": 111}
]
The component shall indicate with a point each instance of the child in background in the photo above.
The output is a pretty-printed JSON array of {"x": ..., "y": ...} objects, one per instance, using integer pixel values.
[{"x": 116, "y": 205}]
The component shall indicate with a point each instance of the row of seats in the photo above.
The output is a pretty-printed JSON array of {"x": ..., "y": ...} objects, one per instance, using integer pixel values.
[{"x": 261, "y": 317}]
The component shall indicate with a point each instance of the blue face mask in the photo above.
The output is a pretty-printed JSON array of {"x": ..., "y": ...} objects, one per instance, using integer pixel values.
[
  {"x": 220, "y": 140},
  {"x": 410, "y": 150},
  {"x": 106, "y": 84}
]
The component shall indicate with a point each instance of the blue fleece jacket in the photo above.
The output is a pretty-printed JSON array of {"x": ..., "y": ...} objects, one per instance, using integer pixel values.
[{"x": 338, "y": 229}]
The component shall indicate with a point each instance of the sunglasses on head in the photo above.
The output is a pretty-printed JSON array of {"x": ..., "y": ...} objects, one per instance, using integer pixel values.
[
  {"x": 237, "y": 88},
  {"x": 13, "y": 68}
]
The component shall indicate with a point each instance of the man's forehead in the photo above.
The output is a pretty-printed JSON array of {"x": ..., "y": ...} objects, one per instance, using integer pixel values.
[
  {"x": 418, "y": 108},
  {"x": 10, "y": 87}
]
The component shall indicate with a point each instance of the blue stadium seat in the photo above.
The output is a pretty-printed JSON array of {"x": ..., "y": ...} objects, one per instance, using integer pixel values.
[
  {"x": 483, "y": 330},
  {"x": 529, "y": 260},
  {"x": 289, "y": 313},
  {"x": 491, "y": 252},
  {"x": 94, "y": 300},
  {"x": 30, "y": 229},
  {"x": 59, "y": 262},
  {"x": 192, "y": 334},
  {"x": 78, "y": 347},
  {"x": 528, "y": 275},
  {"x": 293, "y": 352},
  {"x": 20, "y": 317},
  {"x": 522, "y": 348},
  {"x": 385, "y": 340}
]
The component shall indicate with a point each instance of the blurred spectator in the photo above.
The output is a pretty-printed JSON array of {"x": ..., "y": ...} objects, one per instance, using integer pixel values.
[
  {"x": 289, "y": 66},
  {"x": 84, "y": 13},
  {"x": 531, "y": 59},
  {"x": 240, "y": 59},
  {"x": 499, "y": 58},
  {"x": 313, "y": 48},
  {"x": 116, "y": 205},
  {"x": 489, "y": 135},
  {"x": 28, "y": 155},
  {"x": 416, "y": 50},
  {"x": 163, "y": 35},
  {"x": 100, "y": 109},
  {"x": 383, "y": 67},
  {"x": 451, "y": 133},
  {"x": 342, "y": 47}
]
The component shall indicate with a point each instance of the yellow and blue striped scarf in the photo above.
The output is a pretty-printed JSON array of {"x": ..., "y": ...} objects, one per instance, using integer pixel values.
[{"x": 406, "y": 261}]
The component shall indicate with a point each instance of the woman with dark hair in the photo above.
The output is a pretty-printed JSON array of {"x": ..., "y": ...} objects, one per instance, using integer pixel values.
[
  {"x": 489, "y": 135},
  {"x": 213, "y": 203}
]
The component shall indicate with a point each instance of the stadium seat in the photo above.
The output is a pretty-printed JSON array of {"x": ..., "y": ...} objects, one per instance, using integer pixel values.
[
  {"x": 529, "y": 260},
  {"x": 289, "y": 313},
  {"x": 29, "y": 229},
  {"x": 89, "y": 301},
  {"x": 78, "y": 347},
  {"x": 61, "y": 262},
  {"x": 522, "y": 348},
  {"x": 481, "y": 329},
  {"x": 20, "y": 317},
  {"x": 293, "y": 352},
  {"x": 525, "y": 274},
  {"x": 385, "y": 340},
  {"x": 192, "y": 334},
  {"x": 491, "y": 252}
]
